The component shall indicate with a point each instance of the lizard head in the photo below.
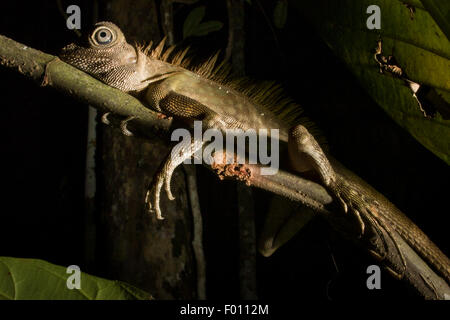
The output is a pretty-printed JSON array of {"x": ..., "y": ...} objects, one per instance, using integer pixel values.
[{"x": 107, "y": 56}]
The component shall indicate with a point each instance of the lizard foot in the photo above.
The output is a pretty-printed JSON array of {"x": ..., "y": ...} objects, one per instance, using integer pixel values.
[
  {"x": 153, "y": 195},
  {"x": 182, "y": 151},
  {"x": 351, "y": 202},
  {"x": 368, "y": 209}
]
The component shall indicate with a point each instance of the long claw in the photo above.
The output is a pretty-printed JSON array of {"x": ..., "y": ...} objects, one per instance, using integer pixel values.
[
  {"x": 123, "y": 126},
  {"x": 105, "y": 118},
  {"x": 147, "y": 196}
]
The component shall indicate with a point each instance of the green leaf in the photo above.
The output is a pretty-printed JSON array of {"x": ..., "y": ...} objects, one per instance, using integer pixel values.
[
  {"x": 207, "y": 27},
  {"x": 31, "y": 279},
  {"x": 193, "y": 20},
  {"x": 193, "y": 26},
  {"x": 280, "y": 14},
  {"x": 418, "y": 44},
  {"x": 440, "y": 13}
]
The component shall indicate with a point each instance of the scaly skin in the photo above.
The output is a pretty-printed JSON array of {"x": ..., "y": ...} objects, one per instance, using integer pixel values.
[{"x": 177, "y": 92}]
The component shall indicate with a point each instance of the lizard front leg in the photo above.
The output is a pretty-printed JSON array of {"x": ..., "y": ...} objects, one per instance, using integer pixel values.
[
  {"x": 163, "y": 98},
  {"x": 182, "y": 151}
]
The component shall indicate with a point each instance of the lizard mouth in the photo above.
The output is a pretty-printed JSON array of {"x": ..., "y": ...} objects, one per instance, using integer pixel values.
[
  {"x": 71, "y": 53},
  {"x": 76, "y": 56},
  {"x": 65, "y": 52}
]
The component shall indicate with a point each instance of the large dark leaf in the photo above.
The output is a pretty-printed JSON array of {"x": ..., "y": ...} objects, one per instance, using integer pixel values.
[
  {"x": 33, "y": 279},
  {"x": 415, "y": 37}
]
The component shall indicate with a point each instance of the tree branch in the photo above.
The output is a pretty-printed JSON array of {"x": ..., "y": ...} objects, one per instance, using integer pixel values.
[{"x": 48, "y": 70}]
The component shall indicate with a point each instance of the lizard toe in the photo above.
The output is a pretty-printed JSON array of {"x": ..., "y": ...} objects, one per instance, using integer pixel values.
[
  {"x": 105, "y": 119},
  {"x": 152, "y": 199},
  {"x": 123, "y": 126},
  {"x": 169, "y": 192},
  {"x": 167, "y": 182}
]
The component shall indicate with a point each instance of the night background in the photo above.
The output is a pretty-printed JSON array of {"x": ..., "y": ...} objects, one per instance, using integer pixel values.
[{"x": 45, "y": 214}]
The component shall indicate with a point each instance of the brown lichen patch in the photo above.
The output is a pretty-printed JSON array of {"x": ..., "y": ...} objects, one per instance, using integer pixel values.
[{"x": 238, "y": 171}]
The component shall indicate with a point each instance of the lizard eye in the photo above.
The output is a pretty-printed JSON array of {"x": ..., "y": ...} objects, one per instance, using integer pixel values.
[{"x": 103, "y": 36}]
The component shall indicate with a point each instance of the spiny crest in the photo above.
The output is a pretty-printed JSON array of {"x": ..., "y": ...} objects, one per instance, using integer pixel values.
[
  {"x": 208, "y": 69},
  {"x": 271, "y": 96},
  {"x": 178, "y": 59},
  {"x": 267, "y": 94}
]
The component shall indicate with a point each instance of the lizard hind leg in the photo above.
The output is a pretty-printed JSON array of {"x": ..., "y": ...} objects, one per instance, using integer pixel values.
[{"x": 182, "y": 151}]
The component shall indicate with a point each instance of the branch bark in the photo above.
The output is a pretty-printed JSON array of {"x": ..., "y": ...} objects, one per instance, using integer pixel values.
[{"x": 48, "y": 70}]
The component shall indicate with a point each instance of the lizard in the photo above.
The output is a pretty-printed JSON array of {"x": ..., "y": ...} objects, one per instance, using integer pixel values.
[{"x": 170, "y": 86}]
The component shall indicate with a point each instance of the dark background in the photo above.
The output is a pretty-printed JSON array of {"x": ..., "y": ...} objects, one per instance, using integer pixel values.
[{"x": 43, "y": 139}]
